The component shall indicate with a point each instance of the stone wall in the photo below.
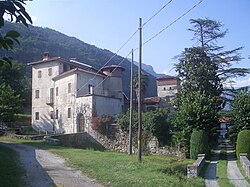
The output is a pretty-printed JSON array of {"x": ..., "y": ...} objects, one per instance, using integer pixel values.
[
  {"x": 115, "y": 140},
  {"x": 245, "y": 163},
  {"x": 193, "y": 170}
]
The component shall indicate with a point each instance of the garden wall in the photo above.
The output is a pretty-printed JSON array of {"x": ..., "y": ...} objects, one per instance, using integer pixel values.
[{"x": 116, "y": 140}]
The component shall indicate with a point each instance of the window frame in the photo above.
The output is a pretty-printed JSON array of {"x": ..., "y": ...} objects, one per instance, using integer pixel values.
[
  {"x": 37, "y": 94},
  {"x": 50, "y": 72},
  {"x": 69, "y": 112},
  {"x": 39, "y": 74},
  {"x": 37, "y": 116},
  {"x": 69, "y": 87}
]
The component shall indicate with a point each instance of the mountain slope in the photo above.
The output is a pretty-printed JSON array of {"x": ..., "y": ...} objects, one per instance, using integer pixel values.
[{"x": 36, "y": 40}]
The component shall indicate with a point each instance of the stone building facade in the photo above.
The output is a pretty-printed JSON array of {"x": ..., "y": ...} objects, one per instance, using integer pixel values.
[
  {"x": 167, "y": 86},
  {"x": 66, "y": 94}
]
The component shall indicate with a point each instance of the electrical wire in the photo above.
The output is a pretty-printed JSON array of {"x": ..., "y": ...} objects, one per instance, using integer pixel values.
[
  {"x": 152, "y": 17},
  {"x": 165, "y": 28},
  {"x": 113, "y": 70},
  {"x": 156, "y": 13}
]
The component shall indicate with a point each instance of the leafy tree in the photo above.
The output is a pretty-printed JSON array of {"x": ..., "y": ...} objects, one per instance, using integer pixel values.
[
  {"x": 198, "y": 73},
  {"x": 196, "y": 112},
  {"x": 14, "y": 76},
  {"x": 241, "y": 110},
  {"x": 9, "y": 103},
  {"x": 16, "y": 12}
]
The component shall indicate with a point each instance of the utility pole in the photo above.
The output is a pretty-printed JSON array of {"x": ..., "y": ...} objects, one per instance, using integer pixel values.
[
  {"x": 131, "y": 104},
  {"x": 139, "y": 92}
]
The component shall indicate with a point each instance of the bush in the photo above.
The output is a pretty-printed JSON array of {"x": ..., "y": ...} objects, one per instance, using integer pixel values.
[
  {"x": 243, "y": 143},
  {"x": 199, "y": 144},
  {"x": 101, "y": 123},
  {"x": 155, "y": 122}
]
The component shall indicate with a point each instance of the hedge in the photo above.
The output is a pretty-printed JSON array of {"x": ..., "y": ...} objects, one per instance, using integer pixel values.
[
  {"x": 199, "y": 144},
  {"x": 243, "y": 143}
]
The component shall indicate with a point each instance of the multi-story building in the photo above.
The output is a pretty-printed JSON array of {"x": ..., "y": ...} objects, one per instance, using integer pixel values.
[
  {"x": 66, "y": 94},
  {"x": 167, "y": 87}
]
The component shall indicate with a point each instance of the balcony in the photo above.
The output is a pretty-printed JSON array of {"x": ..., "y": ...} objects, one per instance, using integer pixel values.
[{"x": 50, "y": 101}]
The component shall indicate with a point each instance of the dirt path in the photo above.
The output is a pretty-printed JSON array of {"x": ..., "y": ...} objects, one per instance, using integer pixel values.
[
  {"x": 233, "y": 172},
  {"x": 44, "y": 169},
  {"x": 210, "y": 175}
]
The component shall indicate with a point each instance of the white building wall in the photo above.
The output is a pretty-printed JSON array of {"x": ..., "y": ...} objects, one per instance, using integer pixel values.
[
  {"x": 63, "y": 101},
  {"x": 43, "y": 84},
  {"x": 107, "y": 105},
  {"x": 86, "y": 79},
  {"x": 167, "y": 90},
  {"x": 84, "y": 106}
]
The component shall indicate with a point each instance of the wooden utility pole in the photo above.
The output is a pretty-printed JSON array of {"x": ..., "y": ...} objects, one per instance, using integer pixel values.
[
  {"x": 131, "y": 105},
  {"x": 139, "y": 93}
]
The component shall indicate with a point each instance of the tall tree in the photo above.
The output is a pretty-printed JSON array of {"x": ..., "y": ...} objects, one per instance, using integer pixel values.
[
  {"x": 203, "y": 69},
  {"x": 9, "y": 103},
  {"x": 206, "y": 34}
]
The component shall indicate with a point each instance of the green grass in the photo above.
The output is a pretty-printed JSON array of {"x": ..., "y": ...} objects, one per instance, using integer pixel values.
[
  {"x": 10, "y": 170},
  {"x": 221, "y": 170},
  {"x": 119, "y": 169}
]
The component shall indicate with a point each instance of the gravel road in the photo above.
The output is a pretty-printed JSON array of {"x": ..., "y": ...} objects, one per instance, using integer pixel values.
[{"x": 44, "y": 169}]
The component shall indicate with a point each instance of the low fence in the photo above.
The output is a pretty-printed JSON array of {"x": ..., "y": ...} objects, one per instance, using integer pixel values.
[
  {"x": 193, "y": 170},
  {"x": 245, "y": 163}
]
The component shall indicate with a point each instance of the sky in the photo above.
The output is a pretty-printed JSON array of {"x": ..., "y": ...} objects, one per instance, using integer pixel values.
[{"x": 108, "y": 24}]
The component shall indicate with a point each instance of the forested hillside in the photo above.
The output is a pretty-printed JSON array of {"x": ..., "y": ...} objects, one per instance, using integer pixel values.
[{"x": 34, "y": 41}]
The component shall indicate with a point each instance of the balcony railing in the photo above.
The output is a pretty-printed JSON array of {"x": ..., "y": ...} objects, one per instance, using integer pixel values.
[{"x": 50, "y": 100}]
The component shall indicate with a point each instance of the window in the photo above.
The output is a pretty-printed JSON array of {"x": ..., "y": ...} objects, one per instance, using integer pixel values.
[
  {"x": 37, "y": 115},
  {"x": 50, "y": 71},
  {"x": 91, "y": 89},
  {"x": 69, "y": 112},
  {"x": 164, "y": 89},
  {"x": 39, "y": 74},
  {"x": 56, "y": 114},
  {"x": 37, "y": 94},
  {"x": 56, "y": 91},
  {"x": 51, "y": 114},
  {"x": 69, "y": 88}
]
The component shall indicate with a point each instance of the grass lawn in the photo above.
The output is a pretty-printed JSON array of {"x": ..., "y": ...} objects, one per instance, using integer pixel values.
[
  {"x": 221, "y": 170},
  {"x": 120, "y": 169},
  {"x": 10, "y": 170}
]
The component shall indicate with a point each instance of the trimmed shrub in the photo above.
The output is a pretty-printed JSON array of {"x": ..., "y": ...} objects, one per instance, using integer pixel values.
[
  {"x": 199, "y": 144},
  {"x": 243, "y": 143}
]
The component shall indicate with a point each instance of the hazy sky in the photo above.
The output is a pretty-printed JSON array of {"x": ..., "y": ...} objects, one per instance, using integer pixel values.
[{"x": 109, "y": 23}]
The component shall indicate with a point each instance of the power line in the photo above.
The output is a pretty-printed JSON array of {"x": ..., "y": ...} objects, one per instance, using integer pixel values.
[
  {"x": 127, "y": 42},
  {"x": 157, "y": 13},
  {"x": 165, "y": 28},
  {"x": 144, "y": 42},
  {"x": 113, "y": 70}
]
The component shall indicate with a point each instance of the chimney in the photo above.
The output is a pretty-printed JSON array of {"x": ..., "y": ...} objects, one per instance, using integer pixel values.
[{"x": 45, "y": 55}]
